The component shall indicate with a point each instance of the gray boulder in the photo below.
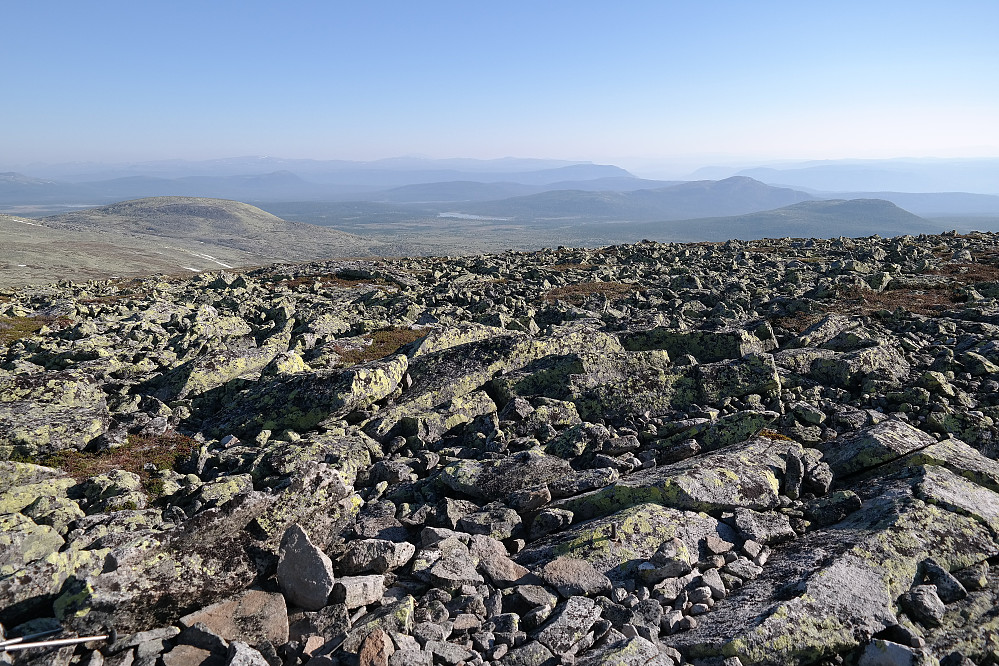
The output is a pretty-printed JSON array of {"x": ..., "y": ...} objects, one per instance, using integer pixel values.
[{"x": 304, "y": 572}]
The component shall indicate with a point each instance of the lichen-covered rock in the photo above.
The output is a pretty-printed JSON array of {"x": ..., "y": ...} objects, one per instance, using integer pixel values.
[
  {"x": 114, "y": 491},
  {"x": 495, "y": 479},
  {"x": 392, "y": 618},
  {"x": 873, "y": 446},
  {"x": 751, "y": 374},
  {"x": 626, "y": 426},
  {"x": 32, "y": 589},
  {"x": 882, "y": 363},
  {"x": 216, "y": 368},
  {"x": 616, "y": 544},
  {"x": 46, "y": 412},
  {"x": 440, "y": 376},
  {"x": 705, "y": 346},
  {"x": 636, "y": 651},
  {"x": 303, "y": 401},
  {"x": 18, "y": 496},
  {"x": 348, "y": 454},
  {"x": 842, "y": 583},
  {"x": 22, "y": 541},
  {"x": 564, "y": 632},
  {"x": 603, "y": 383},
  {"x": 18, "y": 474},
  {"x": 748, "y": 474}
]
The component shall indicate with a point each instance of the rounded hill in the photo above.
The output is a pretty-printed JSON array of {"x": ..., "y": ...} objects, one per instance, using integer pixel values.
[{"x": 219, "y": 222}]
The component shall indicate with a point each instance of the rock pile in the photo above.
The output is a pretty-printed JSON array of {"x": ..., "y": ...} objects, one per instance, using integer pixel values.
[{"x": 769, "y": 452}]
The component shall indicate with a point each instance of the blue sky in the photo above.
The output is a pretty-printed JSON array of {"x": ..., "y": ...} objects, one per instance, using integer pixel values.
[{"x": 706, "y": 82}]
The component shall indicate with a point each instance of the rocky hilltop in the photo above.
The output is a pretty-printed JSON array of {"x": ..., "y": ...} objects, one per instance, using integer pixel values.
[{"x": 767, "y": 452}]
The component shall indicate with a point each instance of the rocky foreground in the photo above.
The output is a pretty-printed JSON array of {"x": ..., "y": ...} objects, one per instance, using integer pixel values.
[{"x": 773, "y": 452}]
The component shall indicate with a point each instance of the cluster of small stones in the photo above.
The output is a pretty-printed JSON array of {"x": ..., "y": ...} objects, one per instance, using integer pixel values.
[{"x": 768, "y": 452}]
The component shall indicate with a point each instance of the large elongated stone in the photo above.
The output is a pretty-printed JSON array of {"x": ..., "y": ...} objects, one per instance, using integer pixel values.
[
  {"x": 302, "y": 401},
  {"x": 748, "y": 474}
]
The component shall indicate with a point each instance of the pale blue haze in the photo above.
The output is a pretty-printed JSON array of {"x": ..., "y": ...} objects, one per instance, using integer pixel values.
[{"x": 630, "y": 82}]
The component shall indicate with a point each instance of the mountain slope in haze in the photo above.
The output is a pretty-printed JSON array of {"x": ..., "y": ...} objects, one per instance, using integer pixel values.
[
  {"x": 452, "y": 191},
  {"x": 807, "y": 219},
  {"x": 470, "y": 190},
  {"x": 34, "y": 253},
  {"x": 731, "y": 196},
  {"x": 930, "y": 203},
  {"x": 218, "y": 222},
  {"x": 248, "y": 187}
]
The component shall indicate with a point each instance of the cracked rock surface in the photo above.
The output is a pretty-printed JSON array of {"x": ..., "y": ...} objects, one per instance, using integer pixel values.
[{"x": 769, "y": 452}]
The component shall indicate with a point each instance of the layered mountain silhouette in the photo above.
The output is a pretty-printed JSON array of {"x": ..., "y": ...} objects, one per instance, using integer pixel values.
[{"x": 731, "y": 196}]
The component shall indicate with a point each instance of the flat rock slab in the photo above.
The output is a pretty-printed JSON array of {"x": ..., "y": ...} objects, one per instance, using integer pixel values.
[
  {"x": 357, "y": 591},
  {"x": 378, "y": 555},
  {"x": 636, "y": 651},
  {"x": 748, "y": 474},
  {"x": 490, "y": 480},
  {"x": 252, "y": 616},
  {"x": 572, "y": 577},
  {"x": 22, "y": 541},
  {"x": 873, "y": 446},
  {"x": 188, "y": 655},
  {"x": 639, "y": 531},
  {"x": 941, "y": 487},
  {"x": 960, "y": 458}
]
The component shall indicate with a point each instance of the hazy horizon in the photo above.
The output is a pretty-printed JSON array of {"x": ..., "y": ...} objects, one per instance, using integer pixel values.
[
  {"x": 666, "y": 168},
  {"x": 648, "y": 83}
]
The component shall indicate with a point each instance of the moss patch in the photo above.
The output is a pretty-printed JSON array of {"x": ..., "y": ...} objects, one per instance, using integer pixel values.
[{"x": 15, "y": 328}]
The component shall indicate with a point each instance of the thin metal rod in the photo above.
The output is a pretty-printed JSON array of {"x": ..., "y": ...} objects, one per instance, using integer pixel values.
[
  {"x": 59, "y": 642},
  {"x": 12, "y": 641}
]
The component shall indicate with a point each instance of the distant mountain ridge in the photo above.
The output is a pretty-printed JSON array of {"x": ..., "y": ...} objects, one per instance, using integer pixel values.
[
  {"x": 731, "y": 196},
  {"x": 979, "y": 176},
  {"x": 332, "y": 184}
]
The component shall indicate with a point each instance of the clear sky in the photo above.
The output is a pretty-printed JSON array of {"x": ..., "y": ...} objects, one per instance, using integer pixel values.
[{"x": 707, "y": 81}]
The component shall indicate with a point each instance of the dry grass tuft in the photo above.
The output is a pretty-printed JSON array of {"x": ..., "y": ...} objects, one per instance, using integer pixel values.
[
  {"x": 383, "y": 342},
  {"x": 967, "y": 273},
  {"x": 162, "y": 451},
  {"x": 579, "y": 292},
  {"x": 775, "y": 436},
  {"x": 797, "y": 322},
  {"x": 918, "y": 301}
]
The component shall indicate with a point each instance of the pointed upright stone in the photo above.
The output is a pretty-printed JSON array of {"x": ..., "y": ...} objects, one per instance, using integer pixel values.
[{"x": 305, "y": 573}]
